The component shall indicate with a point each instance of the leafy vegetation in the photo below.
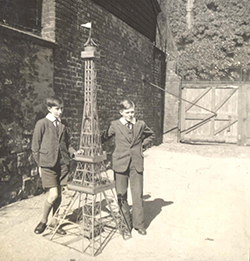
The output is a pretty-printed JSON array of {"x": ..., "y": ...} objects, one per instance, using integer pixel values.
[
  {"x": 24, "y": 83},
  {"x": 217, "y": 47}
]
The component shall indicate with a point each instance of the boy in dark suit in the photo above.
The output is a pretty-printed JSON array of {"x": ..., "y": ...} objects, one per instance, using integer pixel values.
[
  {"x": 131, "y": 137},
  {"x": 50, "y": 148}
]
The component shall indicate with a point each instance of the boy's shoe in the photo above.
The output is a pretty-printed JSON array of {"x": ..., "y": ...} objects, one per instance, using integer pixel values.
[
  {"x": 40, "y": 228},
  {"x": 141, "y": 231},
  {"x": 59, "y": 231}
]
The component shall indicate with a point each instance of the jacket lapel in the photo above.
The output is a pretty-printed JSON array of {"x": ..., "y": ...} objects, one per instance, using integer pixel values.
[
  {"x": 61, "y": 128},
  {"x": 53, "y": 127},
  {"x": 136, "y": 131},
  {"x": 123, "y": 130}
]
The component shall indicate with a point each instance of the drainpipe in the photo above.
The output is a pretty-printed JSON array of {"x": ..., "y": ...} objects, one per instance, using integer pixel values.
[{"x": 189, "y": 17}]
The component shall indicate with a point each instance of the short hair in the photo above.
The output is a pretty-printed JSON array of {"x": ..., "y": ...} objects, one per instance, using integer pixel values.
[
  {"x": 53, "y": 101},
  {"x": 126, "y": 104}
]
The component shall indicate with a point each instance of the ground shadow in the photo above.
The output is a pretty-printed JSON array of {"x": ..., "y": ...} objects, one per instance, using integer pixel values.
[{"x": 153, "y": 208}]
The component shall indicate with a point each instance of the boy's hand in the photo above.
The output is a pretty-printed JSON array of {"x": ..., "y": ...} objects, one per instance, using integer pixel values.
[
  {"x": 81, "y": 152},
  {"x": 76, "y": 153}
]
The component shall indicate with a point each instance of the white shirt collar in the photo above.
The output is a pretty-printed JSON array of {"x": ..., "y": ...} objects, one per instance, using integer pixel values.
[
  {"x": 52, "y": 118},
  {"x": 124, "y": 122}
]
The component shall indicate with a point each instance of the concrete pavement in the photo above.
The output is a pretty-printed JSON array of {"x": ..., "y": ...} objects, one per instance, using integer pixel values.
[{"x": 196, "y": 209}]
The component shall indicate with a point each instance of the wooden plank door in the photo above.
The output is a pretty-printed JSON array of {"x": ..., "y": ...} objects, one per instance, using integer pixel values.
[{"x": 209, "y": 112}]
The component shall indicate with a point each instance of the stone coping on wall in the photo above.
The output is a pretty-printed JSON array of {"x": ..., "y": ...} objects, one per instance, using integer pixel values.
[{"x": 27, "y": 35}]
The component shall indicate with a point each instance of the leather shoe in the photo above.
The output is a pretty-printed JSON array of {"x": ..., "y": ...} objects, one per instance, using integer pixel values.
[
  {"x": 40, "y": 228},
  {"x": 59, "y": 231},
  {"x": 141, "y": 231}
]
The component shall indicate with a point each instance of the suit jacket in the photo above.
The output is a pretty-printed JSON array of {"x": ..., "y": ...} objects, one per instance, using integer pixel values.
[
  {"x": 46, "y": 144},
  {"x": 127, "y": 149}
]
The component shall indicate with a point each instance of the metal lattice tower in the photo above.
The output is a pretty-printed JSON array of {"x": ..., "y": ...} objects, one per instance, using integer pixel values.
[{"x": 91, "y": 206}]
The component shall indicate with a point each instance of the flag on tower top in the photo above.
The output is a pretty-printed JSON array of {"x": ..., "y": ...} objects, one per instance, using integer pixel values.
[{"x": 87, "y": 25}]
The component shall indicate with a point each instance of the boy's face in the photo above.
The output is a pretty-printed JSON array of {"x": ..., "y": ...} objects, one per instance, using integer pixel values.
[
  {"x": 56, "y": 111},
  {"x": 128, "y": 114}
]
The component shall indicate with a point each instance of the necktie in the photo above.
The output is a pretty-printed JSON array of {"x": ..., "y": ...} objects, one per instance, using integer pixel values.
[
  {"x": 129, "y": 125},
  {"x": 57, "y": 127}
]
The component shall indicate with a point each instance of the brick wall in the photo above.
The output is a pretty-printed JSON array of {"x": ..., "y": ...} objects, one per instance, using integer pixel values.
[
  {"x": 34, "y": 67},
  {"x": 128, "y": 63},
  {"x": 48, "y": 20}
]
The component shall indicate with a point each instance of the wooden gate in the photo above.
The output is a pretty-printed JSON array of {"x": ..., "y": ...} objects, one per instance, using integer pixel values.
[{"x": 209, "y": 112}]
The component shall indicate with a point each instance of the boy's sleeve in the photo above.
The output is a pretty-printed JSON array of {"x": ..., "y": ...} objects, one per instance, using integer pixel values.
[
  {"x": 108, "y": 133},
  {"x": 68, "y": 139},
  {"x": 36, "y": 141},
  {"x": 148, "y": 134}
]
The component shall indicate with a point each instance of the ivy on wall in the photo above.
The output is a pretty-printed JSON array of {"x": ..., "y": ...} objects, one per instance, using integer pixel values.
[
  {"x": 25, "y": 80},
  {"x": 19, "y": 88},
  {"x": 217, "y": 45}
]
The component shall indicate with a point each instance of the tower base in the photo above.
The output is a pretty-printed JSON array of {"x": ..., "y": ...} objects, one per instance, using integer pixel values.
[{"x": 89, "y": 219}]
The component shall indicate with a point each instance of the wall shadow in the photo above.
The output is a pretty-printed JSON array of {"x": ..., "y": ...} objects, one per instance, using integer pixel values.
[{"x": 153, "y": 208}]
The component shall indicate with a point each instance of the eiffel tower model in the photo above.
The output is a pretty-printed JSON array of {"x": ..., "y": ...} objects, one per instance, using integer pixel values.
[{"x": 91, "y": 210}]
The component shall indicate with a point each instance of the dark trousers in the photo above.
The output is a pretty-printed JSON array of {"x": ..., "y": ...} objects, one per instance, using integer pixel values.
[{"x": 136, "y": 186}]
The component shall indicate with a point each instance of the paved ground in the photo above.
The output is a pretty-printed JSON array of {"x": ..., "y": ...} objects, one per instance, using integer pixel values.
[{"x": 196, "y": 206}]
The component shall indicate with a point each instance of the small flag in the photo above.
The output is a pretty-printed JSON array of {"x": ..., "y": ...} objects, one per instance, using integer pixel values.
[{"x": 87, "y": 25}]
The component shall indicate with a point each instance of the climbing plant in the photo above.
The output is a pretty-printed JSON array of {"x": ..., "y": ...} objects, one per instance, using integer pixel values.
[
  {"x": 25, "y": 80},
  {"x": 217, "y": 46}
]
